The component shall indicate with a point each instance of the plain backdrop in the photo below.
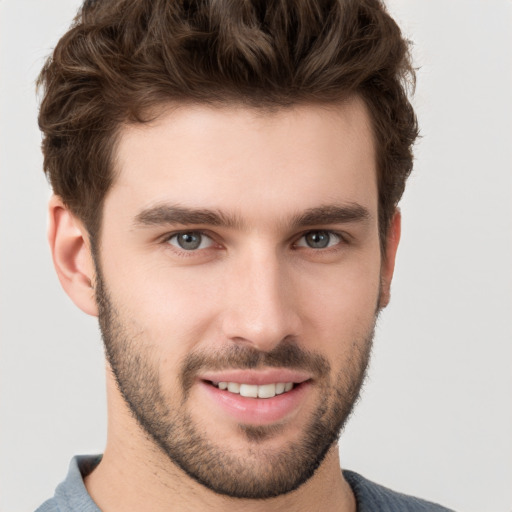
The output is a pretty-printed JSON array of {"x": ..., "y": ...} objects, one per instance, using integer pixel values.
[{"x": 435, "y": 415}]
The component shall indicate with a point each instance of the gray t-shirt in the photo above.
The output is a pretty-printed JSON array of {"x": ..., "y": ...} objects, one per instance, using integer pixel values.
[{"x": 72, "y": 496}]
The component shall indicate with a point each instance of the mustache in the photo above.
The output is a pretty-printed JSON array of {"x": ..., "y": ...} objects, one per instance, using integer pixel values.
[{"x": 285, "y": 355}]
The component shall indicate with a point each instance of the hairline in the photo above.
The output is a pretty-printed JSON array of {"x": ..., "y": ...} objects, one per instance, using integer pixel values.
[{"x": 154, "y": 113}]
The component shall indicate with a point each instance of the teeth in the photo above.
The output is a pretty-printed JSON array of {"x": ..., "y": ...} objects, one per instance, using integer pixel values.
[
  {"x": 267, "y": 391},
  {"x": 280, "y": 388},
  {"x": 254, "y": 391},
  {"x": 249, "y": 390},
  {"x": 234, "y": 387}
]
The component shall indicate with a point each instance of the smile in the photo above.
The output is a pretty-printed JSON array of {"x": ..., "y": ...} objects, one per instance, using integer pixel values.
[
  {"x": 258, "y": 396},
  {"x": 253, "y": 390}
]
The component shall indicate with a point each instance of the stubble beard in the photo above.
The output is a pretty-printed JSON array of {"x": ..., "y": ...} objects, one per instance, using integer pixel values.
[{"x": 261, "y": 472}]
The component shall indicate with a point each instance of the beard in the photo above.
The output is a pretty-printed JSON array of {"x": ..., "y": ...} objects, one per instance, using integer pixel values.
[{"x": 260, "y": 472}]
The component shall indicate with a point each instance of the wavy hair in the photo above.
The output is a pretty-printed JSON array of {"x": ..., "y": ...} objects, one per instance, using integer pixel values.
[{"x": 123, "y": 59}]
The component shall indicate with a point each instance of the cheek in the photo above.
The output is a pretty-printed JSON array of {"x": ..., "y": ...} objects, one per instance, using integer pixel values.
[
  {"x": 342, "y": 308},
  {"x": 171, "y": 307}
]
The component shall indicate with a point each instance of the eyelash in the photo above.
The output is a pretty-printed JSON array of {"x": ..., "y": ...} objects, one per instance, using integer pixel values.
[
  {"x": 186, "y": 252},
  {"x": 342, "y": 240}
]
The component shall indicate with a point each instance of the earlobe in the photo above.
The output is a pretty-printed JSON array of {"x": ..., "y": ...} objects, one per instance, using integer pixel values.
[
  {"x": 72, "y": 258},
  {"x": 388, "y": 260}
]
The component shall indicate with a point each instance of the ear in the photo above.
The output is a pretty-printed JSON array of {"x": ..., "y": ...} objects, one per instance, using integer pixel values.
[
  {"x": 72, "y": 257},
  {"x": 388, "y": 260}
]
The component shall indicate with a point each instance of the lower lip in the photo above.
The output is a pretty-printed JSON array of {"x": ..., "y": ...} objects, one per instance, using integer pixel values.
[{"x": 258, "y": 411}]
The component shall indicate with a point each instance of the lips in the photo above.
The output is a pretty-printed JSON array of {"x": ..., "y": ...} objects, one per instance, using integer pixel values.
[
  {"x": 257, "y": 377},
  {"x": 257, "y": 397}
]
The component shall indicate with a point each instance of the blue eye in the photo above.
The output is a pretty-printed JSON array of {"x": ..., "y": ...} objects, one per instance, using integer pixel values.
[
  {"x": 190, "y": 241},
  {"x": 319, "y": 240}
]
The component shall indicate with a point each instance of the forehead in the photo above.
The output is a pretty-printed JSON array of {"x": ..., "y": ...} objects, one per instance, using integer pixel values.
[{"x": 248, "y": 161}]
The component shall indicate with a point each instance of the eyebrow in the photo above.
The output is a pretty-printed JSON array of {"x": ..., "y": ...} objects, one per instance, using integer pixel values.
[
  {"x": 332, "y": 214},
  {"x": 163, "y": 214},
  {"x": 174, "y": 214}
]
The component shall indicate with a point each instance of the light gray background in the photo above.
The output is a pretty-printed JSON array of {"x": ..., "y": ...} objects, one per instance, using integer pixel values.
[{"x": 435, "y": 419}]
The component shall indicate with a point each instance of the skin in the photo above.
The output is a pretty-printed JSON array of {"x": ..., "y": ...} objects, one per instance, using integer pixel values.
[{"x": 257, "y": 280}]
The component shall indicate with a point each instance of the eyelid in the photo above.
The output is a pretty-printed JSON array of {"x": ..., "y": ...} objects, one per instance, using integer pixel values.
[
  {"x": 205, "y": 234},
  {"x": 342, "y": 238}
]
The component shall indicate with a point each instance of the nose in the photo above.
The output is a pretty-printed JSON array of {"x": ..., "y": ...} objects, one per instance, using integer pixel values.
[{"x": 261, "y": 308}]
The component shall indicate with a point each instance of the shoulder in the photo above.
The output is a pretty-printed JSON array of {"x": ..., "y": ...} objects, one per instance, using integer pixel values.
[
  {"x": 71, "y": 495},
  {"x": 48, "y": 506},
  {"x": 371, "y": 496}
]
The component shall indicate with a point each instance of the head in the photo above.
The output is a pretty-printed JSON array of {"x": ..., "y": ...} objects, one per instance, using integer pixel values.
[
  {"x": 123, "y": 60},
  {"x": 227, "y": 176}
]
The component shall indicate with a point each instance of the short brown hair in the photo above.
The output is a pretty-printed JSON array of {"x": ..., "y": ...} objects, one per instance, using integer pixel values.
[{"x": 122, "y": 59}]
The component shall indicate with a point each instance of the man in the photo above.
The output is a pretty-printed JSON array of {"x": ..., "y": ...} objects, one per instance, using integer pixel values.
[{"x": 226, "y": 179}]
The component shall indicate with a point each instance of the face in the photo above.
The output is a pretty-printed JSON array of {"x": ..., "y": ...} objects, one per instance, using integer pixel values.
[{"x": 238, "y": 282}]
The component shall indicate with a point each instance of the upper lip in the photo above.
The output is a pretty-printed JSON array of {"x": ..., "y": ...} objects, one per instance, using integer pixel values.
[{"x": 258, "y": 377}]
